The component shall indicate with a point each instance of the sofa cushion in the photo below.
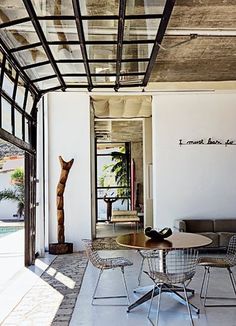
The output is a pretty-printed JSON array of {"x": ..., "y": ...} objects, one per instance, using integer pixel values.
[
  {"x": 224, "y": 238},
  {"x": 197, "y": 226},
  {"x": 214, "y": 237},
  {"x": 225, "y": 225}
]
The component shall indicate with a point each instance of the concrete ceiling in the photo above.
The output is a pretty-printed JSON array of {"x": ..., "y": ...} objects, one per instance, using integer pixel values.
[
  {"x": 199, "y": 44},
  {"x": 119, "y": 131}
]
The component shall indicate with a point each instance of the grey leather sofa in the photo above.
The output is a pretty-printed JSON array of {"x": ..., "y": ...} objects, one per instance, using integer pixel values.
[{"x": 218, "y": 230}]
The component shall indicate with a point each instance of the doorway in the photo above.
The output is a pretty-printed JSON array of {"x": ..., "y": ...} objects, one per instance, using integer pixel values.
[{"x": 118, "y": 125}]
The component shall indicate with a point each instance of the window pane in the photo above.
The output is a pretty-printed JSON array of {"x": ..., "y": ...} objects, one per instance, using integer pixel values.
[
  {"x": 11, "y": 11},
  {"x": 97, "y": 30},
  {"x": 145, "y": 7},
  {"x": 31, "y": 56},
  {"x": 8, "y": 85},
  {"x": 105, "y": 8},
  {"x": 29, "y": 104},
  {"x": 26, "y": 131},
  {"x": 70, "y": 68},
  {"x": 6, "y": 115},
  {"x": 60, "y": 30},
  {"x": 101, "y": 51},
  {"x": 141, "y": 29},
  {"x": 18, "y": 124},
  {"x": 75, "y": 80},
  {"x": 127, "y": 67},
  {"x": 20, "y": 93},
  {"x": 41, "y": 71},
  {"x": 23, "y": 34},
  {"x": 66, "y": 51},
  {"x": 54, "y": 7}
]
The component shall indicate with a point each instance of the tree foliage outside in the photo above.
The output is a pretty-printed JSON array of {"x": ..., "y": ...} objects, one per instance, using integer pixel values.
[
  {"x": 17, "y": 192},
  {"x": 119, "y": 171}
]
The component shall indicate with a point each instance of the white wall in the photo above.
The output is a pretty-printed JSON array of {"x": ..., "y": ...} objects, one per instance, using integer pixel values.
[
  {"x": 147, "y": 171},
  {"x": 69, "y": 136},
  {"x": 197, "y": 181}
]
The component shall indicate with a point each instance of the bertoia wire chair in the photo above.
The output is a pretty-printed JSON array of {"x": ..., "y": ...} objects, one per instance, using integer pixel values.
[
  {"x": 105, "y": 264},
  {"x": 143, "y": 254},
  {"x": 228, "y": 261},
  {"x": 168, "y": 268}
]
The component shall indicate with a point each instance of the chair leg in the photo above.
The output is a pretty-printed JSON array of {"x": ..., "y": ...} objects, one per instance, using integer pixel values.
[
  {"x": 125, "y": 284},
  {"x": 207, "y": 283},
  {"x": 96, "y": 286},
  {"x": 159, "y": 303},
  {"x": 189, "y": 310},
  {"x": 159, "y": 300},
  {"x": 203, "y": 282},
  {"x": 140, "y": 271},
  {"x": 232, "y": 279}
]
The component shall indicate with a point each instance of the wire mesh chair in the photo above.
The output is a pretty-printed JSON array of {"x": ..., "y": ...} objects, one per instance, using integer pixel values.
[
  {"x": 143, "y": 254},
  {"x": 169, "y": 268},
  {"x": 228, "y": 261},
  {"x": 105, "y": 264}
]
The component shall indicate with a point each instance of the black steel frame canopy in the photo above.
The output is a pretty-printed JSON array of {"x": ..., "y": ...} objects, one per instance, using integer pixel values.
[{"x": 119, "y": 78}]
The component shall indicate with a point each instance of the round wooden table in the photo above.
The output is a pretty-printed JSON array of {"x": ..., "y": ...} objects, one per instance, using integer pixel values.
[{"x": 178, "y": 240}]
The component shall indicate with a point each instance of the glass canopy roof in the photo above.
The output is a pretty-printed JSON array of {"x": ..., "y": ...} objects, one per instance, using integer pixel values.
[{"x": 62, "y": 44}]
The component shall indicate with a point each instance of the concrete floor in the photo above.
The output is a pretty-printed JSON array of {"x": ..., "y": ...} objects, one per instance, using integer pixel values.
[
  {"x": 172, "y": 312},
  {"x": 16, "y": 282}
]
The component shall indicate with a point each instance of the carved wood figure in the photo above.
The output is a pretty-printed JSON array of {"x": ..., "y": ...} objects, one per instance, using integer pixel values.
[{"x": 65, "y": 169}]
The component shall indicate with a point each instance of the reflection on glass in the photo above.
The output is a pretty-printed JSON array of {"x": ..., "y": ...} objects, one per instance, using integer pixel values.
[
  {"x": 143, "y": 7},
  {"x": 66, "y": 51},
  {"x": 100, "y": 30},
  {"x": 138, "y": 51},
  {"x": 138, "y": 66},
  {"x": 26, "y": 131},
  {"x": 105, "y": 8},
  {"x": 20, "y": 35},
  {"x": 103, "y": 79},
  {"x": 52, "y": 82},
  {"x": 103, "y": 67},
  {"x": 6, "y": 115},
  {"x": 53, "y": 7},
  {"x": 18, "y": 124},
  {"x": 12, "y": 12},
  {"x": 20, "y": 92},
  {"x": 29, "y": 103},
  {"x": 75, "y": 68},
  {"x": 101, "y": 51},
  {"x": 141, "y": 29},
  {"x": 39, "y": 72},
  {"x": 75, "y": 80},
  {"x": 60, "y": 30},
  {"x": 31, "y": 56},
  {"x": 131, "y": 79},
  {"x": 8, "y": 85}
]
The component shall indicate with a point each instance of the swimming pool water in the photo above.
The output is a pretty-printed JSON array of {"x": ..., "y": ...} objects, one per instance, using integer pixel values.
[{"x": 6, "y": 230}]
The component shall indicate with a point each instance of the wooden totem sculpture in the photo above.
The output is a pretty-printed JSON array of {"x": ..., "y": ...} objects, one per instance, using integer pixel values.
[{"x": 65, "y": 169}]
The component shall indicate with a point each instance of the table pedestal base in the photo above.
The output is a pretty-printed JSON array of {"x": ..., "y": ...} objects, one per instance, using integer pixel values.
[{"x": 174, "y": 290}]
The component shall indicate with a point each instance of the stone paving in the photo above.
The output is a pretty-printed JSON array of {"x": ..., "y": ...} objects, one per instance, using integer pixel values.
[{"x": 52, "y": 299}]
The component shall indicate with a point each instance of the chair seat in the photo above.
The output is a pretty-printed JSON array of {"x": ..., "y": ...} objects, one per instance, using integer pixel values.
[
  {"x": 171, "y": 278},
  {"x": 214, "y": 262},
  {"x": 108, "y": 263}
]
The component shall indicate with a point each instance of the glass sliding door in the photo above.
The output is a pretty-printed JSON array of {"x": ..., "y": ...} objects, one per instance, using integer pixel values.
[{"x": 113, "y": 178}]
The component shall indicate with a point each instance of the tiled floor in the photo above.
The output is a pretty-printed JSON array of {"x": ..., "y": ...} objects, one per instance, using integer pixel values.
[{"x": 172, "y": 312}]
